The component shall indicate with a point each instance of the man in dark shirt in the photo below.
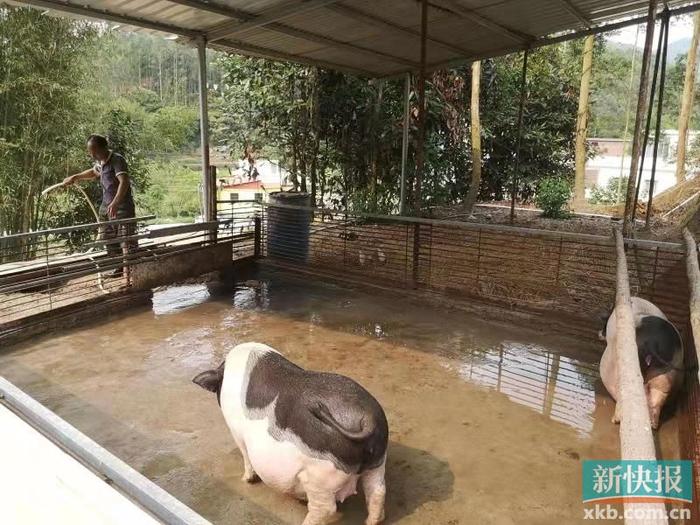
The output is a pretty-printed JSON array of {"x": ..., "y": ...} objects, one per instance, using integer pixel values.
[{"x": 117, "y": 199}]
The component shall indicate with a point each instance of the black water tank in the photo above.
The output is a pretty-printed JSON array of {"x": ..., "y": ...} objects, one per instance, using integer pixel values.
[{"x": 288, "y": 228}]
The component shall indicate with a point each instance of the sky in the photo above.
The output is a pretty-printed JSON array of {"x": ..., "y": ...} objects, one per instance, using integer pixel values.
[{"x": 681, "y": 27}]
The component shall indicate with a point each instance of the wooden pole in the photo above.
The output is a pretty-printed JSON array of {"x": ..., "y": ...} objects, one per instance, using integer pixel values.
[
  {"x": 642, "y": 102},
  {"x": 420, "y": 149},
  {"x": 636, "y": 438},
  {"x": 521, "y": 110},
  {"x": 475, "y": 183},
  {"x": 582, "y": 124},
  {"x": 691, "y": 252},
  {"x": 691, "y": 68}
]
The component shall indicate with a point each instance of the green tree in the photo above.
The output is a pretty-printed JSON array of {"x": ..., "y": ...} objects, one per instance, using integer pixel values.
[
  {"x": 43, "y": 120},
  {"x": 177, "y": 128}
]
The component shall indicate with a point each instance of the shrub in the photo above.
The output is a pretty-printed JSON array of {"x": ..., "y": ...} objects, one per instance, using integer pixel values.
[
  {"x": 609, "y": 194},
  {"x": 553, "y": 193}
]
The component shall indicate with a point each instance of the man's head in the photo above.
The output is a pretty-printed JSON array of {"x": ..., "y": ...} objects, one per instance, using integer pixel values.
[{"x": 97, "y": 147}]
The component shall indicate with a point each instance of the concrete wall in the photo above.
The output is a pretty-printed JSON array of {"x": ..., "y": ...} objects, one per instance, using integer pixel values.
[{"x": 190, "y": 263}]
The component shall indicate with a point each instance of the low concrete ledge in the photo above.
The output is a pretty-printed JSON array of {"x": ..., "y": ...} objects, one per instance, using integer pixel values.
[
  {"x": 72, "y": 315},
  {"x": 183, "y": 264}
]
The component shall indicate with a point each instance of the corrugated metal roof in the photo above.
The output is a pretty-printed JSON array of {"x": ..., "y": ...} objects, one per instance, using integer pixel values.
[{"x": 370, "y": 37}]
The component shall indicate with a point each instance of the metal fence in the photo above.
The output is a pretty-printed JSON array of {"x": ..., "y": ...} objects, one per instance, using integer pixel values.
[
  {"x": 564, "y": 277},
  {"x": 242, "y": 221},
  {"x": 49, "y": 269}
]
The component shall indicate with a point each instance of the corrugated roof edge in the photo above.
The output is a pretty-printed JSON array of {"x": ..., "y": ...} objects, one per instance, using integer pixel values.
[{"x": 551, "y": 40}]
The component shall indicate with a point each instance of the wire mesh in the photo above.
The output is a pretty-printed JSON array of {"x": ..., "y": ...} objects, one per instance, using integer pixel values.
[{"x": 568, "y": 277}]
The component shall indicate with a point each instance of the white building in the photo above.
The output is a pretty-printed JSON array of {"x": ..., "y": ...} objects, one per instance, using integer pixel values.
[{"x": 609, "y": 163}]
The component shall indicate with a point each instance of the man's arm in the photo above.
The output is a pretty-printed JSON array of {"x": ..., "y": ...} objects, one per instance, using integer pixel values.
[
  {"x": 83, "y": 175},
  {"x": 124, "y": 183}
]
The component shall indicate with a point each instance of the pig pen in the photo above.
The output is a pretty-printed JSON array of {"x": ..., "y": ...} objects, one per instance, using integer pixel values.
[
  {"x": 488, "y": 422},
  {"x": 478, "y": 340}
]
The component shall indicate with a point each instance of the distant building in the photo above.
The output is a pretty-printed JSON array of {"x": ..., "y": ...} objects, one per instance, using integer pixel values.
[
  {"x": 246, "y": 182},
  {"x": 609, "y": 162}
]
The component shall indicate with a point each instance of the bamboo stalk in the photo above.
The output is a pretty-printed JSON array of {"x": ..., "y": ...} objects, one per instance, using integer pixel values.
[
  {"x": 694, "y": 281},
  {"x": 636, "y": 438}
]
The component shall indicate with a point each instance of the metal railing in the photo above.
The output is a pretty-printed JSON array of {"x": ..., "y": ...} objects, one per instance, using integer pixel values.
[
  {"x": 241, "y": 220},
  {"x": 49, "y": 269}
]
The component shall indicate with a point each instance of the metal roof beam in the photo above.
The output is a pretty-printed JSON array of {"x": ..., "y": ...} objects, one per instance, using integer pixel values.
[
  {"x": 551, "y": 40},
  {"x": 469, "y": 14},
  {"x": 296, "y": 33},
  {"x": 571, "y": 8},
  {"x": 103, "y": 14},
  {"x": 263, "y": 52},
  {"x": 229, "y": 46},
  {"x": 382, "y": 23},
  {"x": 228, "y": 29},
  {"x": 331, "y": 42}
]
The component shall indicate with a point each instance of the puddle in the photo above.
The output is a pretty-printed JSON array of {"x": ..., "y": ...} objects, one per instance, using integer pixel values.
[{"x": 174, "y": 298}]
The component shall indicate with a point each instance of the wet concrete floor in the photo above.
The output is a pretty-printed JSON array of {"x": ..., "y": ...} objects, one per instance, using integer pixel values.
[{"x": 488, "y": 423}]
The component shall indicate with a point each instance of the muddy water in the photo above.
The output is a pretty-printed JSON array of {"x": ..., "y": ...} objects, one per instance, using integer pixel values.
[{"x": 489, "y": 423}]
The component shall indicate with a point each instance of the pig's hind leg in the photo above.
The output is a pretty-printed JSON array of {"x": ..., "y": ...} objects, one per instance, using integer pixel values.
[
  {"x": 374, "y": 487},
  {"x": 249, "y": 475},
  {"x": 321, "y": 507}
]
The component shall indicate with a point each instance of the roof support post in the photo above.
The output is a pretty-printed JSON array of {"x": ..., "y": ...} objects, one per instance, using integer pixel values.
[
  {"x": 665, "y": 26},
  {"x": 521, "y": 111},
  {"x": 404, "y": 144},
  {"x": 642, "y": 103},
  {"x": 647, "y": 126},
  {"x": 420, "y": 148},
  {"x": 209, "y": 206}
]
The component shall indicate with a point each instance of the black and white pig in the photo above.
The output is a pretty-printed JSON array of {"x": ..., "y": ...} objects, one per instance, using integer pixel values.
[
  {"x": 660, "y": 351},
  {"x": 309, "y": 434}
]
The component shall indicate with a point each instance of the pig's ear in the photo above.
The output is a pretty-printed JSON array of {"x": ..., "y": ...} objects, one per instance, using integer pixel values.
[{"x": 210, "y": 380}]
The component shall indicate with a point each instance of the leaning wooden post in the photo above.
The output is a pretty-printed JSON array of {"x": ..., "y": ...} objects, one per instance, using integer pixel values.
[
  {"x": 636, "y": 438},
  {"x": 642, "y": 102},
  {"x": 691, "y": 259}
]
